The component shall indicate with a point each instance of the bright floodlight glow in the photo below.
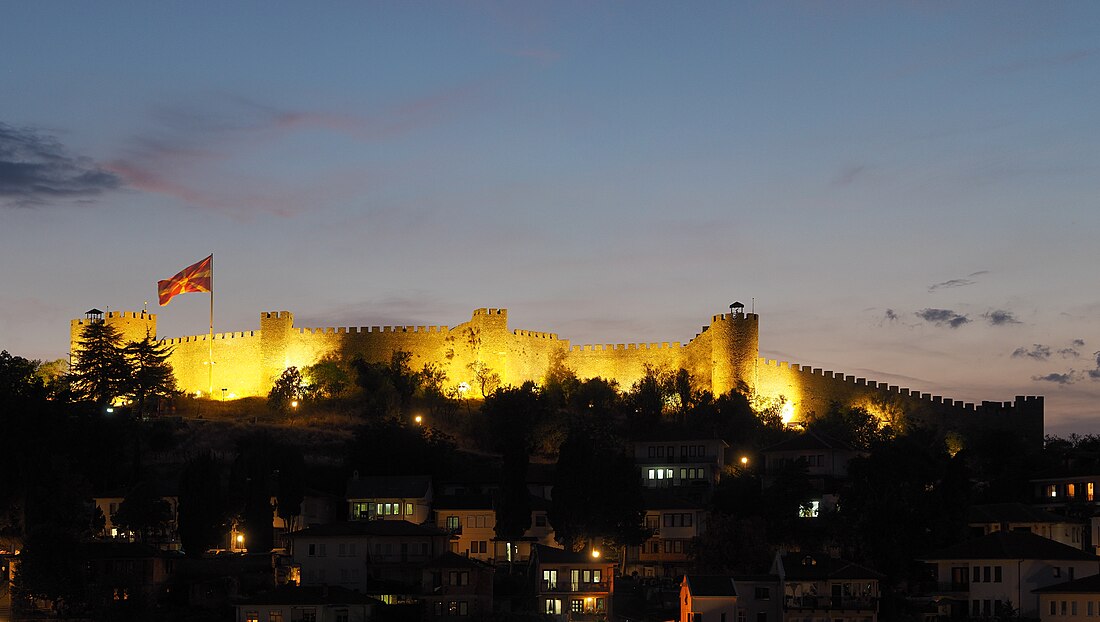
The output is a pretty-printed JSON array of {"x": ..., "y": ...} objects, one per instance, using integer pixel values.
[
  {"x": 787, "y": 413},
  {"x": 419, "y": 419},
  {"x": 463, "y": 388},
  {"x": 294, "y": 404},
  {"x": 240, "y": 539},
  {"x": 595, "y": 553},
  {"x": 744, "y": 459}
]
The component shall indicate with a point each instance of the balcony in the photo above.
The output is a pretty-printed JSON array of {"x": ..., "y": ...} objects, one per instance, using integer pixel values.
[
  {"x": 578, "y": 588},
  {"x": 832, "y": 603}
]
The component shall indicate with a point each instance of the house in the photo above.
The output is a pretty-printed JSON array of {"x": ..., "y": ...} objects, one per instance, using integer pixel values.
[
  {"x": 982, "y": 576},
  {"x": 1062, "y": 489},
  {"x": 1071, "y": 601},
  {"x": 726, "y": 598},
  {"x": 674, "y": 522},
  {"x": 125, "y": 574},
  {"x": 456, "y": 587},
  {"x": 986, "y": 519},
  {"x": 471, "y": 521},
  {"x": 689, "y": 462},
  {"x": 824, "y": 458},
  {"x": 573, "y": 586},
  {"x": 307, "y": 604},
  {"x": 400, "y": 498},
  {"x": 823, "y": 587},
  {"x": 378, "y": 557}
]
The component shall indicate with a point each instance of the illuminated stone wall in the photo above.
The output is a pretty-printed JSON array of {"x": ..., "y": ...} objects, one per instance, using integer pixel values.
[{"x": 724, "y": 356}]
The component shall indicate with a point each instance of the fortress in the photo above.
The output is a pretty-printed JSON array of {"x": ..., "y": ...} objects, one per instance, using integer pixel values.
[{"x": 724, "y": 356}]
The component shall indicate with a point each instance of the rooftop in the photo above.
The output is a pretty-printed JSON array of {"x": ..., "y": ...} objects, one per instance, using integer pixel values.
[{"x": 1010, "y": 545}]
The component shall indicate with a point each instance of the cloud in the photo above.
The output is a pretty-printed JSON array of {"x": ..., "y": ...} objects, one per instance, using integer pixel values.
[
  {"x": 1077, "y": 343},
  {"x": 848, "y": 174},
  {"x": 1094, "y": 373},
  {"x": 890, "y": 316},
  {"x": 1067, "y": 378},
  {"x": 1000, "y": 317},
  {"x": 950, "y": 284},
  {"x": 943, "y": 317},
  {"x": 193, "y": 150},
  {"x": 1039, "y": 352},
  {"x": 36, "y": 169},
  {"x": 1069, "y": 353}
]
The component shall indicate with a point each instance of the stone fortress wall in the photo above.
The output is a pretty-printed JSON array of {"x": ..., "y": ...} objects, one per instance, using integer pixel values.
[{"x": 724, "y": 356}]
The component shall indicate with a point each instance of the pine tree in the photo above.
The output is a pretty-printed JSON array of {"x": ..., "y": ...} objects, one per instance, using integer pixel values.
[
  {"x": 99, "y": 371},
  {"x": 150, "y": 374}
]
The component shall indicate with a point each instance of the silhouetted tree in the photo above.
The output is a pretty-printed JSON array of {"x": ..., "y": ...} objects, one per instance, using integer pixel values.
[
  {"x": 150, "y": 372},
  {"x": 143, "y": 512},
  {"x": 51, "y": 569},
  {"x": 99, "y": 371},
  {"x": 202, "y": 505},
  {"x": 288, "y": 388},
  {"x": 597, "y": 491}
]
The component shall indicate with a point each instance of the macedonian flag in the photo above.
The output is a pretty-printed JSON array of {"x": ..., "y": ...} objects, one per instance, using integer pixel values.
[{"x": 197, "y": 277}]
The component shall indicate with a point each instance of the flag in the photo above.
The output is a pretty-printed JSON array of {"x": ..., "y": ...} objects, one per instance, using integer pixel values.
[{"x": 197, "y": 277}]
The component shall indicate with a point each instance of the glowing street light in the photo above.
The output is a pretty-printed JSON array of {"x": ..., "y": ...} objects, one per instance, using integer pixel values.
[
  {"x": 595, "y": 553},
  {"x": 744, "y": 460},
  {"x": 294, "y": 404},
  {"x": 418, "y": 419}
]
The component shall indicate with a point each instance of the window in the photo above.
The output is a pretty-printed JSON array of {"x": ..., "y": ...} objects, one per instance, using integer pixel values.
[
  {"x": 997, "y": 576},
  {"x": 652, "y": 521},
  {"x": 550, "y": 580},
  {"x": 308, "y": 615},
  {"x": 1071, "y": 490},
  {"x": 453, "y": 523},
  {"x": 599, "y": 605},
  {"x": 652, "y": 451},
  {"x": 312, "y": 550},
  {"x": 762, "y": 593},
  {"x": 987, "y": 575},
  {"x": 540, "y": 520},
  {"x": 1057, "y": 571},
  {"x": 762, "y": 616},
  {"x": 252, "y": 616},
  {"x": 341, "y": 615},
  {"x": 742, "y": 615},
  {"x": 576, "y": 605},
  {"x": 360, "y": 510},
  {"x": 321, "y": 550},
  {"x": 1063, "y": 608},
  {"x": 1053, "y": 608},
  {"x": 457, "y": 608},
  {"x": 1089, "y": 492},
  {"x": 1052, "y": 491},
  {"x": 408, "y": 509},
  {"x": 553, "y": 605},
  {"x": 978, "y": 575},
  {"x": 274, "y": 616},
  {"x": 479, "y": 546},
  {"x": 460, "y": 577},
  {"x": 976, "y": 608},
  {"x": 1089, "y": 608}
]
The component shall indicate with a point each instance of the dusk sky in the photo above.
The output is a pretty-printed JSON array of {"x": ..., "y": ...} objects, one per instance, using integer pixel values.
[{"x": 910, "y": 191}]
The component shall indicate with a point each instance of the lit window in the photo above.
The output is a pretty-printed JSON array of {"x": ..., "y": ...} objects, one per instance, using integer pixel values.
[
  {"x": 252, "y": 616},
  {"x": 1089, "y": 491},
  {"x": 1071, "y": 490},
  {"x": 274, "y": 616},
  {"x": 408, "y": 509}
]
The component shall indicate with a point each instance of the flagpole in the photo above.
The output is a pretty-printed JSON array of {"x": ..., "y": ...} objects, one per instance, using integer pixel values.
[{"x": 211, "y": 345}]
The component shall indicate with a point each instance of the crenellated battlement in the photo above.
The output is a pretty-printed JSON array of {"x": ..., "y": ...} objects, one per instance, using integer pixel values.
[
  {"x": 357, "y": 330},
  {"x": 536, "y": 334},
  {"x": 612, "y": 347},
  {"x": 484, "y": 311}
]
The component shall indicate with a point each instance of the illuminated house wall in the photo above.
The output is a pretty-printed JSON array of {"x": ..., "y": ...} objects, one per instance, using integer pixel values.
[{"x": 724, "y": 356}]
